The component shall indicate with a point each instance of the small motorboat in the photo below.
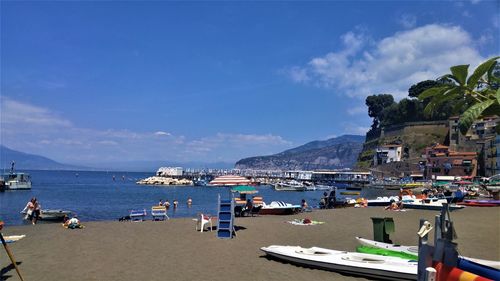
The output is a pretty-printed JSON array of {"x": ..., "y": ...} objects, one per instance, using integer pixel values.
[
  {"x": 368, "y": 265},
  {"x": 435, "y": 204},
  {"x": 51, "y": 215},
  {"x": 382, "y": 201},
  {"x": 279, "y": 208},
  {"x": 481, "y": 203}
]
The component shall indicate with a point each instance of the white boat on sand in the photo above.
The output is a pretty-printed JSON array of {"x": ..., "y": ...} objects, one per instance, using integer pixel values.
[
  {"x": 413, "y": 250},
  {"x": 429, "y": 204},
  {"x": 374, "y": 266}
]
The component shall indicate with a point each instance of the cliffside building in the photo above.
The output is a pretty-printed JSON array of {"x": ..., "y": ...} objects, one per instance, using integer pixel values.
[
  {"x": 481, "y": 138},
  {"x": 441, "y": 161},
  {"x": 387, "y": 154}
]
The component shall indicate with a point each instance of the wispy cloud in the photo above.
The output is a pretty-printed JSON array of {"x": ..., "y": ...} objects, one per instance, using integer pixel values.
[
  {"x": 407, "y": 21},
  {"x": 38, "y": 130},
  {"x": 357, "y": 110},
  {"x": 364, "y": 66}
]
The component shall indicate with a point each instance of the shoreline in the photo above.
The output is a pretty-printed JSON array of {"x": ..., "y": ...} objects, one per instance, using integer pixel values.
[{"x": 112, "y": 250}]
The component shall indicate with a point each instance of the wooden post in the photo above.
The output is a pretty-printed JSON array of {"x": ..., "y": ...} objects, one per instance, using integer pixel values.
[{"x": 11, "y": 257}]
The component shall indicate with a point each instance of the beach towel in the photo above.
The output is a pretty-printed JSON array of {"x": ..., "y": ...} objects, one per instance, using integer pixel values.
[{"x": 304, "y": 222}]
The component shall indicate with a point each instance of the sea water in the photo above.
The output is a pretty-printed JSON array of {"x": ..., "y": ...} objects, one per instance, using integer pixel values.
[{"x": 105, "y": 196}]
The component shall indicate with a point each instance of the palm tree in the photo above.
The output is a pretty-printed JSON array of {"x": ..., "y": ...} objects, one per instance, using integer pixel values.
[{"x": 474, "y": 96}]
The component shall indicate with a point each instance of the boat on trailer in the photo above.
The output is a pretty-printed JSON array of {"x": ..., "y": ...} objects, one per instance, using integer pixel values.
[{"x": 368, "y": 265}]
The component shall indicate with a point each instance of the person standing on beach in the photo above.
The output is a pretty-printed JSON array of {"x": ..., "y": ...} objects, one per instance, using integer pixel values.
[{"x": 32, "y": 210}]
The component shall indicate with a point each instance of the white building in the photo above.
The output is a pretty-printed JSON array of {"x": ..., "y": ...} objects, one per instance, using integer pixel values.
[
  {"x": 170, "y": 171},
  {"x": 388, "y": 153}
]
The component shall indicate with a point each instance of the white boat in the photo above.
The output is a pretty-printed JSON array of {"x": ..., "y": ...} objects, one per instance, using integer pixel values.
[
  {"x": 382, "y": 201},
  {"x": 374, "y": 266},
  {"x": 51, "y": 215},
  {"x": 292, "y": 185},
  {"x": 413, "y": 250},
  {"x": 323, "y": 187},
  {"x": 429, "y": 204},
  {"x": 279, "y": 208},
  {"x": 16, "y": 181}
]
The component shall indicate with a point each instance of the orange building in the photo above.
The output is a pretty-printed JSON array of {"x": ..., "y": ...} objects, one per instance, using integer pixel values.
[{"x": 443, "y": 162}]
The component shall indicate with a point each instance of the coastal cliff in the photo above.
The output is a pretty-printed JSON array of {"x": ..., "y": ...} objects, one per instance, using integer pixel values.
[{"x": 334, "y": 153}]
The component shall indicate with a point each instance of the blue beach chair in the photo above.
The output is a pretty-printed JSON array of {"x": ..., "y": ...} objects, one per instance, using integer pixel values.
[{"x": 138, "y": 215}]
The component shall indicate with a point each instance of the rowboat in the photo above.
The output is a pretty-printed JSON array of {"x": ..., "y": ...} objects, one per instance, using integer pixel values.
[
  {"x": 413, "y": 250},
  {"x": 382, "y": 201},
  {"x": 373, "y": 266}
]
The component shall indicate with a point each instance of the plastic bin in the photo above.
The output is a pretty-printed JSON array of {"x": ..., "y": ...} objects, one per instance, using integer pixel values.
[{"x": 381, "y": 229}]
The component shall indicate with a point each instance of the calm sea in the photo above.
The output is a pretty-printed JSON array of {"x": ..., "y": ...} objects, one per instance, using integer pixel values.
[{"x": 101, "y": 196}]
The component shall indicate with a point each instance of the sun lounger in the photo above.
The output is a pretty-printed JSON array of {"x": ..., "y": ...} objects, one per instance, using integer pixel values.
[
  {"x": 159, "y": 213},
  {"x": 138, "y": 215}
]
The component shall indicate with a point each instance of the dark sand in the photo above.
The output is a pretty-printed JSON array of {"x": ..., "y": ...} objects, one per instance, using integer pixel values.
[{"x": 173, "y": 250}]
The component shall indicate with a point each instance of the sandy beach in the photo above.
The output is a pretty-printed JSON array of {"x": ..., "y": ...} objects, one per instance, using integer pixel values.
[{"x": 173, "y": 250}]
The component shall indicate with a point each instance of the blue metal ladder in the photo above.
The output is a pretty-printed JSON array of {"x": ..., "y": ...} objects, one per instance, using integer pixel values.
[{"x": 225, "y": 218}]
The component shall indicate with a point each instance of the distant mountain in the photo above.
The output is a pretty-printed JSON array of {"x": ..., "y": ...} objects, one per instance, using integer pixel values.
[
  {"x": 153, "y": 165},
  {"x": 334, "y": 153},
  {"x": 25, "y": 161}
]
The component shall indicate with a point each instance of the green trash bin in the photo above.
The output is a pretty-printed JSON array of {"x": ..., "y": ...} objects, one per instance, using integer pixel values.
[{"x": 381, "y": 229}]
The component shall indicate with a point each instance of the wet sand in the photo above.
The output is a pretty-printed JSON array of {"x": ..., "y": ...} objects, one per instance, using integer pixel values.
[{"x": 173, "y": 250}]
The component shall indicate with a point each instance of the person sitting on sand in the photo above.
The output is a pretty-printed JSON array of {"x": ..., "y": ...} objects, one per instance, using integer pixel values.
[
  {"x": 304, "y": 206},
  {"x": 72, "y": 223},
  {"x": 394, "y": 206}
]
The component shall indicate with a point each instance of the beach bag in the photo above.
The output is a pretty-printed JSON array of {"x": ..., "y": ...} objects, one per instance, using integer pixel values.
[{"x": 28, "y": 214}]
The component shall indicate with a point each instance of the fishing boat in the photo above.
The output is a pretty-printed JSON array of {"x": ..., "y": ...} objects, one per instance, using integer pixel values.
[
  {"x": 368, "y": 265},
  {"x": 279, "y": 208},
  {"x": 292, "y": 185},
  {"x": 16, "y": 181},
  {"x": 429, "y": 204},
  {"x": 390, "y": 249}
]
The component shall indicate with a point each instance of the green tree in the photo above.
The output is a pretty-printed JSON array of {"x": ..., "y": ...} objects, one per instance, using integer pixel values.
[
  {"x": 376, "y": 104},
  {"x": 476, "y": 94}
]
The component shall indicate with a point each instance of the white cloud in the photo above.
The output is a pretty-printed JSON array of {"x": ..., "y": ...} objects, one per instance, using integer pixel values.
[
  {"x": 161, "y": 133},
  {"x": 407, "y": 20},
  {"x": 34, "y": 129},
  {"x": 28, "y": 116},
  {"x": 355, "y": 129},
  {"x": 357, "y": 110},
  {"x": 391, "y": 65}
]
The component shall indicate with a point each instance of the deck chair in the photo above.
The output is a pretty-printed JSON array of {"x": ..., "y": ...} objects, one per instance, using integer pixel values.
[
  {"x": 257, "y": 201},
  {"x": 202, "y": 220},
  {"x": 138, "y": 215},
  {"x": 159, "y": 213}
]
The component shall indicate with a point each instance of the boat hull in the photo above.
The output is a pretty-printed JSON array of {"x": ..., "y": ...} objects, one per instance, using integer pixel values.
[
  {"x": 279, "y": 211},
  {"x": 348, "y": 263}
]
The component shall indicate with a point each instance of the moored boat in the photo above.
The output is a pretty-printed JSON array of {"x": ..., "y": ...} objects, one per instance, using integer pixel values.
[
  {"x": 429, "y": 204},
  {"x": 292, "y": 185},
  {"x": 373, "y": 266},
  {"x": 16, "y": 181},
  {"x": 279, "y": 208},
  {"x": 382, "y": 201}
]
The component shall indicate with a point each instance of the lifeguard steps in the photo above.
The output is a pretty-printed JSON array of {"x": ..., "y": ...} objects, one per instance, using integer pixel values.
[{"x": 225, "y": 218}]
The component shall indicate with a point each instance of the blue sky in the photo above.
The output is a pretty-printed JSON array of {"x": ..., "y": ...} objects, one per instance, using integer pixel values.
[{"x": 85, "y": 82}]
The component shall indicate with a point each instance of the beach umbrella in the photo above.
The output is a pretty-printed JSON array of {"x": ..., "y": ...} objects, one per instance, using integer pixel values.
[{"x": 244, "y": 189}]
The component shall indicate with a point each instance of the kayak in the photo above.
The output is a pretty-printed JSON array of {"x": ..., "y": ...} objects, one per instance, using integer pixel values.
[
  {"x": 413, "y": 250},
  {"x": 385, "y": 252},
  {"x": 359, "y": 264}
]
